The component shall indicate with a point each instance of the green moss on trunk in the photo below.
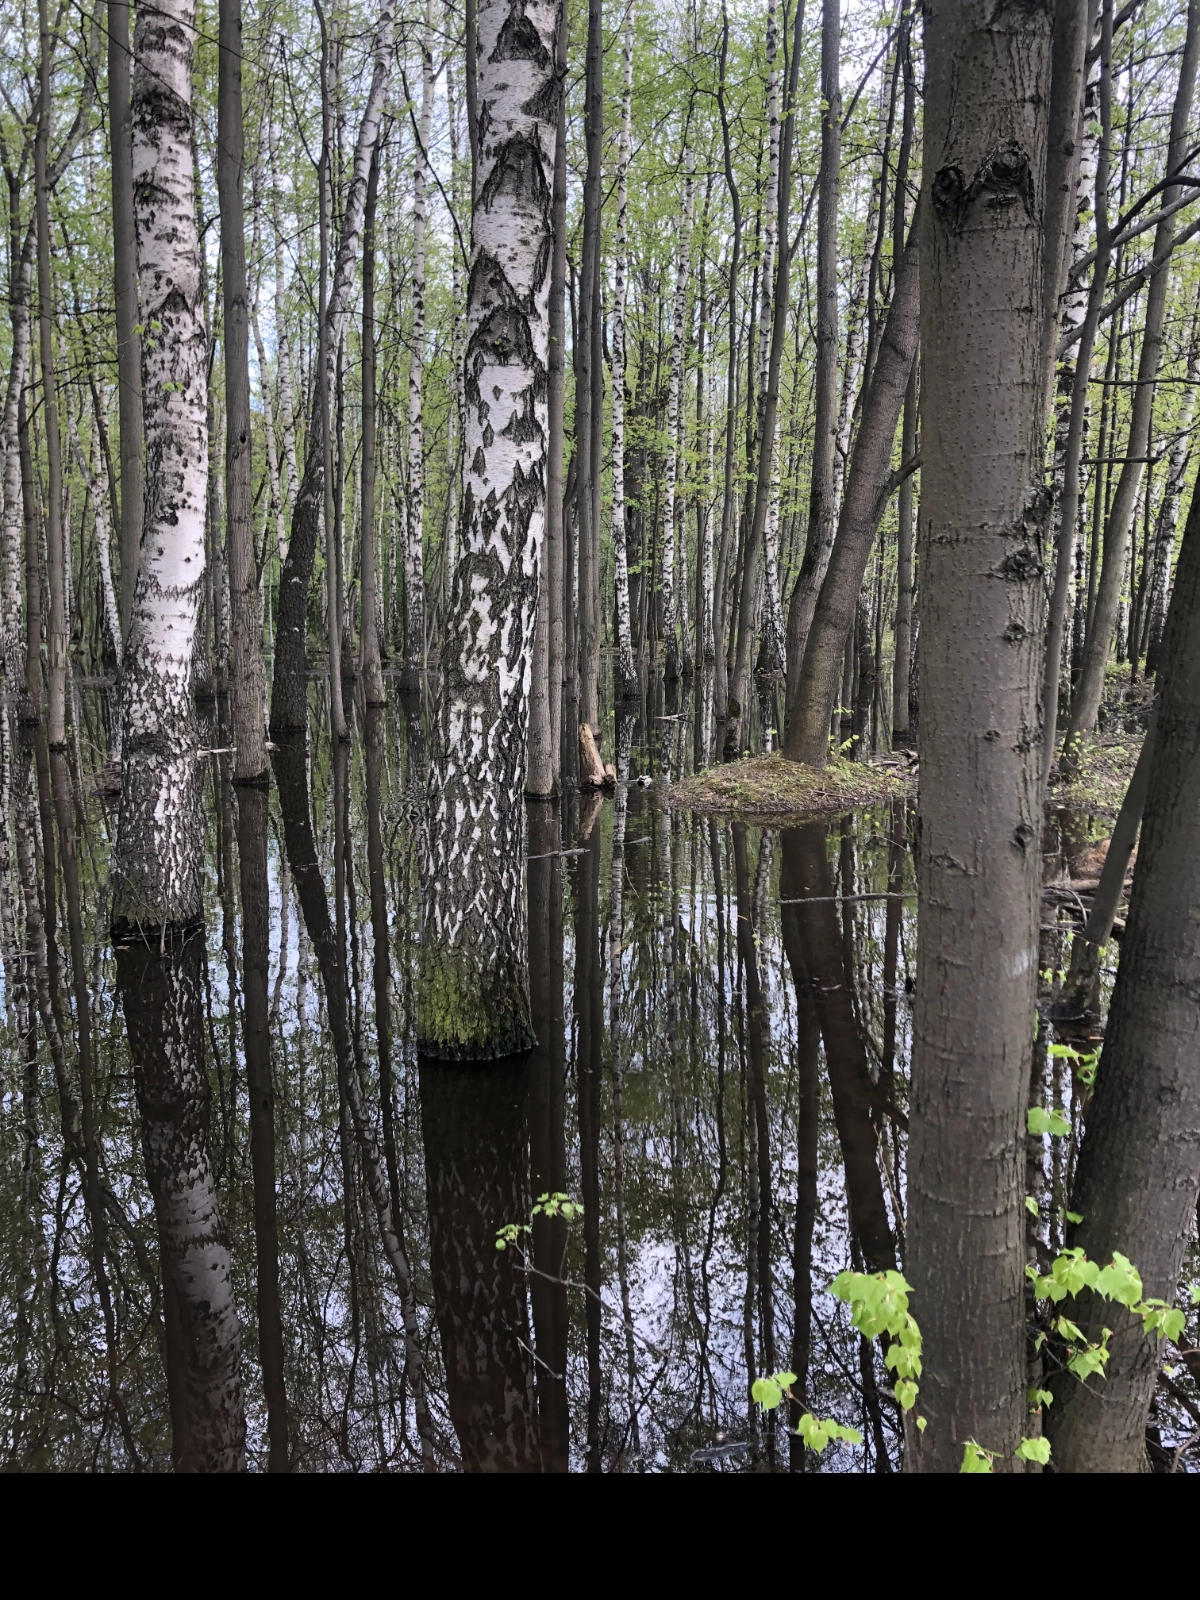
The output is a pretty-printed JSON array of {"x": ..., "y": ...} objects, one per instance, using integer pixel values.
[{"x": 464, "y": 1014}]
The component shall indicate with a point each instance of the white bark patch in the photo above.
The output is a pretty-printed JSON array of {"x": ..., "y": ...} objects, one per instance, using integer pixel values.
[
  {"x": 474, "y": 913},
  {"x": 159, "y": 860}
]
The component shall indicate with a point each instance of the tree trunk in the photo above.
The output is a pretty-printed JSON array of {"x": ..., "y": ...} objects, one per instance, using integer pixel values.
[
  {"x": 253, "y": 824},
  {"x": 822, "y": 508},
  {"x": 904, "y": 573},
  {"x": 556, "y": 591},
  {"x": 289, "y": 702},
  {"x": 1139, "y": 1164},
  {"x": 368, "y": 559},
  {"x": 56, "y": 555},
  {"x": 1073, "y": 453},
  {"x": 473, "y": 997},
  {"x": 1168, "y": 513},
  {"x": 1086, "y": 704},
  {"x": 160, "y": 988},
  {"x": 125, "y": 291},
  {"x": 626, "y": 672},
  {"x": 683, "y": 243},
  {"x": 983, "y": 512},
  {"x": 867, "y": 488},
  {"x": 250, "y": 761},
  {"x": 158, "y": 864},
  {"x": 585, "y": 379},
  {"x": 414, "y": 568}
]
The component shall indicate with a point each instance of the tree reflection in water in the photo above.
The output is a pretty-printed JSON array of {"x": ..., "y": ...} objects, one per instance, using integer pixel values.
[{"x": 719, "y": 1077}]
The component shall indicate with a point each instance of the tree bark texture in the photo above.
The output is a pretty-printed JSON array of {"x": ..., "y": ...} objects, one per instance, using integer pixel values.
[
  {"x": 159, "y": 859},
  {"x": 56, "y": 633},
  {"x": 125, "y": 292},
  {"x": 626, "y": 671},
  {"x": 982, "y": 525},
  {"x": 414, "y": 566},
  {"x": 473, "y": 988},
  {"x": 160, "y": 987},
  {"x": 369, "y": 558},
  {"x": 246, "y": 674},
  {"x": 556, "y": 588},
  {"x": 585, "y": 379},
  {"x": 1139, "y": 1164}
]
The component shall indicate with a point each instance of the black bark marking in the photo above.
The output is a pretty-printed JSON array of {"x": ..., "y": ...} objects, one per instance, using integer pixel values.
[
  {"x": 519, "y": 172},
  {"x": 519, "y": 40}
]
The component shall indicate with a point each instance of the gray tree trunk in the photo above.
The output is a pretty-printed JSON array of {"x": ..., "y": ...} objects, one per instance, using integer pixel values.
[
  {"x": 368, "y": 557},
  {"x": 56, "y": 633},
  {"x": 1139, "y": 1164},
  {"x": 473, "y": 991},
  {"x": 822, "y": 510},
  {"x": 247, "y": 679},
  {"x": 289, "y": 706},
  {"x": 1086, "y": 704},
  {"x": 867, "y": 490},
  {"x": 982, "y": 525},
  {"x": 125, "y": 292}
]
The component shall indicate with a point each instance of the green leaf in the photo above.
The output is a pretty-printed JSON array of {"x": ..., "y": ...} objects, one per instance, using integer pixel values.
[
  {"x": 921, "y": 1424},
  {"x": 975, "y": 1458},
  {"x": 1074, "y": 1216},
  {"x": 1034, "y": 1450},
  {"x": 1040, "y": 1397},
  {"x": 766, "y": 1393},
  {"x": 1031, "y": 1205}
]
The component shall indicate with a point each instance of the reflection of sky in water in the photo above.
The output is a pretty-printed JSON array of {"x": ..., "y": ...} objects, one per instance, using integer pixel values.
[{"x": 687, "y": 1192}]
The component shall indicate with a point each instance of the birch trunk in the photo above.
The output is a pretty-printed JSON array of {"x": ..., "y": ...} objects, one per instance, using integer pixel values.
[
  {"x": 414, "y": 571},
  {"x": 979, "y": 864},
  {"x": 626, "y": 669},
  {"x": 369, "y": 561},
  {"x": 683, "y": 246},
  {"x": 125, "y": 291},
  {"x": 161, "y": 993},
  {"x": 159, "y": 862},
  {"x": 56, "y": 635},
  {"x": 473, "y": 996},
  {"x": 249, "y": 737}
]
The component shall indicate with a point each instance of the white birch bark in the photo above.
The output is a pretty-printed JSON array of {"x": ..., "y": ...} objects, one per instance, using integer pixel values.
[
  {"x": 626, "y": 669},
  {"x": 11, "y": 527},
  {"x": 159, "y": 861},
  {"x": 456, "y": 338},
  {"x": 473, "y": 997},
  {"x": 414, "y": 577},
  {"x": 274, "y": 484},
  {"x": 674, "y": 428}
]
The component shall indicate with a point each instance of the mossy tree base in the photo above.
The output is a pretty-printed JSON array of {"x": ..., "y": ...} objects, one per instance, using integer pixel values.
[
  {"x": 773, "y": 786},
  {"x": 465, "y": 1014}
]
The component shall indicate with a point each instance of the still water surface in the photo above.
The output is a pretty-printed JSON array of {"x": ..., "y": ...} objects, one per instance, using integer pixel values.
[{"x": 723, "y": 1014}]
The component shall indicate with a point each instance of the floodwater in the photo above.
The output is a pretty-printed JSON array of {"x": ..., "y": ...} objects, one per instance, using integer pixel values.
[{"x": 723, "y": 1014}]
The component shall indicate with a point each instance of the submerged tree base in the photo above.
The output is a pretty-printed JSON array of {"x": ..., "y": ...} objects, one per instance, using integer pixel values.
[{"x": 773, "y": 786}]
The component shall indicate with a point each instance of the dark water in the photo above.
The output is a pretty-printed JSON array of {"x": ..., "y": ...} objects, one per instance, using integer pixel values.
[{"x": 723, "y": 1014}]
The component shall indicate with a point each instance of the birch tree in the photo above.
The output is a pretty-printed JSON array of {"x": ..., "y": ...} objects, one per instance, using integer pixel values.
[
  {"x": 626, "y": 669},
  {"x": 414, "y": 571},
  {"x": 159, "y": 863},
  {"x": 473, "y": 989}
]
